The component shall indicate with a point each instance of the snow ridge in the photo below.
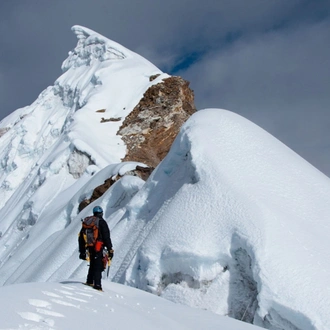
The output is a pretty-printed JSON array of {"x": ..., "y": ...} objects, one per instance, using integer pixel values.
[{"x": 224, "y": 223}]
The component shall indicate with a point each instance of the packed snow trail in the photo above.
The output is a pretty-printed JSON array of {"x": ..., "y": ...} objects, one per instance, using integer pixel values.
[{"x": 71, "y": 305}]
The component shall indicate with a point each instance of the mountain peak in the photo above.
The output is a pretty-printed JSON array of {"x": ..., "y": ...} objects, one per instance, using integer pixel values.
[
  {"x": 92, "y": 46},
  {"x": 71, "y": 123}
]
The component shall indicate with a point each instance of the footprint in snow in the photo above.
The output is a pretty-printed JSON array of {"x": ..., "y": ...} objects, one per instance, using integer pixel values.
[
  {"x": 64, "y": 303},
  {"x": 29, "y": 316},
  {"x": 49, "y": 313},
  {"x": 51, "y": 294},
  {"x": 64, "y": 292},
  {"x": 42, "y": 314},
  {"x": 84, "y": 294},
  {"x": 78, "y": 299},
  {"x": 39, "y": 303}
]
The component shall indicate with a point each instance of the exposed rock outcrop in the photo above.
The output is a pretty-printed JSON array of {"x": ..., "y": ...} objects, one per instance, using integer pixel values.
[
  {"x": 105, "y": 120},
  {"x": 141, "y": 172},
  {"x": 3, "y": 131},
  {"x": 78, "y": 162},
  {"x": 150, "y": 129},
  {"x": 153, "y": 77}
]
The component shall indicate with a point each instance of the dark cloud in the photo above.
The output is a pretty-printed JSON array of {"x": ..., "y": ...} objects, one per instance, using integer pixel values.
[
  {"x": 267, "y": 60},
  {"x": 279, "y": 80}
]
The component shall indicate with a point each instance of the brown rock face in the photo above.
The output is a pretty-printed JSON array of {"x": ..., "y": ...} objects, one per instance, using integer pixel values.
[
  {"x": 141, "y": 172},
  {"x": 150, "y": 129},
  {"x": 3, "y": 131}
]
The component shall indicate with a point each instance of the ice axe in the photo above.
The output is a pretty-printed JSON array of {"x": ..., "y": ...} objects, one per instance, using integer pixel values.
[{"x": 107, "y": 260}]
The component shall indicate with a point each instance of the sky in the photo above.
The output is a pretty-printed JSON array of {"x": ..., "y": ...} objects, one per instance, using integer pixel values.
[{"x": 266, "y": 60}]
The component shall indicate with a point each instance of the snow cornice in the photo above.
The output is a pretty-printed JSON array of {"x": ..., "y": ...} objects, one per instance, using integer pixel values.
[{"x": 92, "y": 46}]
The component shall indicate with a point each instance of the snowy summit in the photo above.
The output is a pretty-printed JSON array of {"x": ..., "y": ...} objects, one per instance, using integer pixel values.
[{"x": 231, "y": 221}]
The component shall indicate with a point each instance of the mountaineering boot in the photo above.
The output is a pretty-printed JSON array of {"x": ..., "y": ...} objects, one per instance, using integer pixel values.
[
  {"x": 97, "y": 287},
  {"x": 88, "y": 284}
]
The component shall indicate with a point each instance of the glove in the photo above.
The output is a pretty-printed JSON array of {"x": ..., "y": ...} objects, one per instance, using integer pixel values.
[
  {"x": 82, "y": 256},
  {"x": 110, "y": 254}
]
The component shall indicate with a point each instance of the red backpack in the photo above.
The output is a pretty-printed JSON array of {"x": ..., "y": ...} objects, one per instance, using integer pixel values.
[{"x": 91, "y": 232}]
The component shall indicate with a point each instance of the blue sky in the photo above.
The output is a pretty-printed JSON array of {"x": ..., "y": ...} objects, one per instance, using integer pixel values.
[{"x": 266, "y": 60}]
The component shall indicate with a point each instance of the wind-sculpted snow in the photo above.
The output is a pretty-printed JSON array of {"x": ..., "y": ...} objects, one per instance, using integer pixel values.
[
  {"x": 31, "y": 134},
  {"x": 92, "y": 46},
  {"x": 232, "y": 221}
]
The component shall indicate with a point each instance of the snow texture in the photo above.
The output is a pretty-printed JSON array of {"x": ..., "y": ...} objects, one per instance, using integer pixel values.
[
  {"x": 71, "y": 305},
  {"x": 241, "y": 227}
]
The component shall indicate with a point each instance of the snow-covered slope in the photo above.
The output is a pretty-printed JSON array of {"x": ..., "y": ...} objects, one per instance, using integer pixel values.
[
  {"x": 231, "y": 220},
  {"x": 69, "y": 305}
]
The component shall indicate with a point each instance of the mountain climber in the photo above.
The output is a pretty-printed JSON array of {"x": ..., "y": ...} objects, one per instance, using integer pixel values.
[{"x": 95, "y": 226}]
